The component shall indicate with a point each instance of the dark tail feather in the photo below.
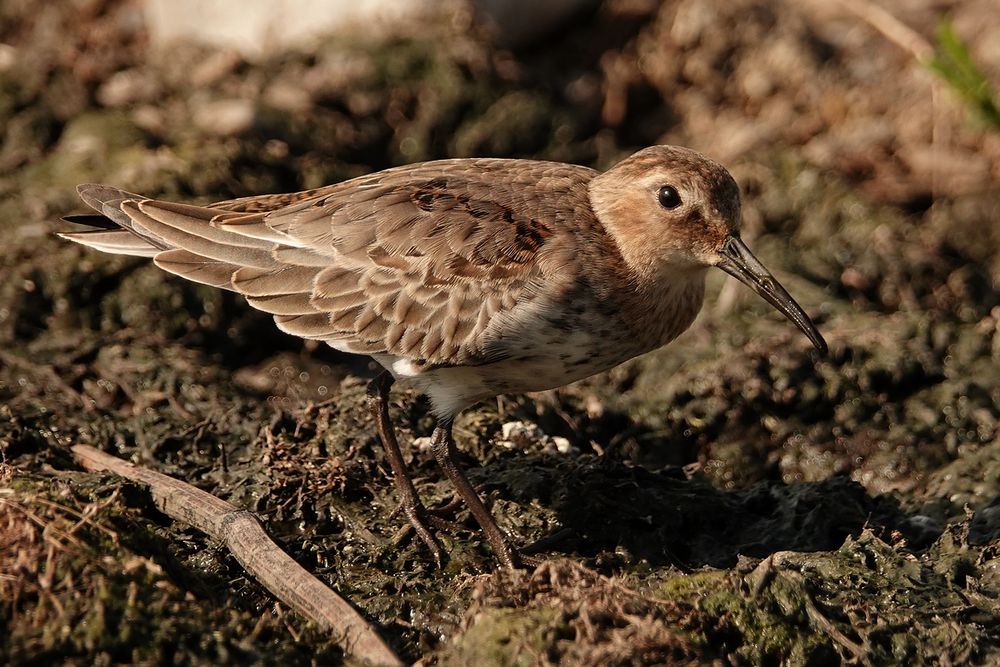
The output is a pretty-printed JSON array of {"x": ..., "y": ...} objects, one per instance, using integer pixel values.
[{"x": 91, "y": 220}]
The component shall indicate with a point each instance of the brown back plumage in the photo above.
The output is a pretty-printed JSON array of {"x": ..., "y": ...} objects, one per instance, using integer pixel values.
[{"x": 414, "y": 262}]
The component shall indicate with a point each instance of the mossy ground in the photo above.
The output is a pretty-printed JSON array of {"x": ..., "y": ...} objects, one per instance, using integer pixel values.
[{"x": 731, "y": 498}]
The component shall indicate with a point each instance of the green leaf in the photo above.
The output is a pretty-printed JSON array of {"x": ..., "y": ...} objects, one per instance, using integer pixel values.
[{"x": 953, "y": 64}]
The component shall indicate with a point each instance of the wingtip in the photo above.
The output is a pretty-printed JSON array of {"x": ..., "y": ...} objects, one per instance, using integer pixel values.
[
  {"x": 94, "y": 195},
  {"x": 97, "y": 196}
]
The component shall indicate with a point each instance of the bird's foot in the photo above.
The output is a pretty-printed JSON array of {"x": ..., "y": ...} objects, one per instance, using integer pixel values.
[
  {"x": 419, "y": 520},
  {"x": 526, "y": 561},
  {"x": 423, "y": 521},
  {"x": 503, "y": 547},
  {"x": 443, "y": 517}
]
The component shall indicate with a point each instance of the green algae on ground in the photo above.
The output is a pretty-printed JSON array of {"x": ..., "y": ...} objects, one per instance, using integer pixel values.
[
  {"x": 564, "y": 613},
  {"x": 867, "y": 602},
  {"x": 758, "y": 629}
]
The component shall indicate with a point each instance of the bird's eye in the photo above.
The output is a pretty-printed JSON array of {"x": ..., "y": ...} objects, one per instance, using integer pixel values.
[{"x": 669, "y": 197}]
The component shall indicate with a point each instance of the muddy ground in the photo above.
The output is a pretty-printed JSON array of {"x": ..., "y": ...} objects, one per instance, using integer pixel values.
[{"x": 731, "y": 499}]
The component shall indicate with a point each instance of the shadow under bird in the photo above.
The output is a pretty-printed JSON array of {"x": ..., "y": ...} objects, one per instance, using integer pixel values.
[{"x": 465, "y": 278}]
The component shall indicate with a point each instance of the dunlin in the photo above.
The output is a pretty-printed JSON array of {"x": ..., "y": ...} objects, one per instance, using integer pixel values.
[{"x": 466, "y": 278}]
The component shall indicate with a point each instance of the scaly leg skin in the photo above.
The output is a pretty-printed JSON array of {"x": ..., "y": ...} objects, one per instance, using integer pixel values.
[
  {"x": 378, "y": 403},
  {"x": 444, "y": 451}
]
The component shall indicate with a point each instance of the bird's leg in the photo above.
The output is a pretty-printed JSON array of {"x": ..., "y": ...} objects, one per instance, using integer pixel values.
[
  {"x": 378, "y": 403},
  {"x": 444, "y": 450}
]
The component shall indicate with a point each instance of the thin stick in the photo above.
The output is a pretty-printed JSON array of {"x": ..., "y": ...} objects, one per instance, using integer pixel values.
[{"x": 262, "y": 558}]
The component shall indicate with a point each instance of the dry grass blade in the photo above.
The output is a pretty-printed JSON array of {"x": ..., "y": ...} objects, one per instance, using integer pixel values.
[
  {"x": 246, "y": 539},
  {"x": 894, "y": 30}
]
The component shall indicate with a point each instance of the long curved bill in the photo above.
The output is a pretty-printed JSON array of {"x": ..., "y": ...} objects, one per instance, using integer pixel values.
[{"x": 737, "y": 260}]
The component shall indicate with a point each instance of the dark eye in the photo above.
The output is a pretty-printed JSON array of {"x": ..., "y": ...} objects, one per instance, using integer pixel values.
[{"x": 669, "y": 197}]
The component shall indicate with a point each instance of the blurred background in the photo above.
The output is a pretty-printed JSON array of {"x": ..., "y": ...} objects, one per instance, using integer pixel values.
[{"x": 864, "y": 134}]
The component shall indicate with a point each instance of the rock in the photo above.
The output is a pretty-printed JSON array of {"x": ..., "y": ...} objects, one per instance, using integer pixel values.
[
  {"x": 257, "y": 27},
  {"x": 127, "y": 87},
  {"x": 8, "y": 56},
  {"x": 215, "y": 68},
  {"x": 225, "y": 117}
]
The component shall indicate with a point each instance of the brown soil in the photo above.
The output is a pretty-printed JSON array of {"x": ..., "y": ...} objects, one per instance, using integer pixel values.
[{"x": 731, "y": 498}]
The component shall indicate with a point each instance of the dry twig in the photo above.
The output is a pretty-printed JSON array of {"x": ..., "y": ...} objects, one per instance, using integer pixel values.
[
  {"x": 262, "y": 558},
  {"x": 892, "y": 28}
]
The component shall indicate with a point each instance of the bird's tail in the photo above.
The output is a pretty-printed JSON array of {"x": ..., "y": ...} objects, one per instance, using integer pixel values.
[
  {"x": 181, "y": 238},
  {"x": 112, "y": 231}
]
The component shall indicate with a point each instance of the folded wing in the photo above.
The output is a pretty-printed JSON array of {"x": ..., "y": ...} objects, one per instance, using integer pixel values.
[{"x": 414, "y": 262}]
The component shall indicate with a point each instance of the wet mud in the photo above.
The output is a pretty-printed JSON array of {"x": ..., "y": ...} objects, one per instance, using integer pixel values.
[{"x": 731, "y": 498}]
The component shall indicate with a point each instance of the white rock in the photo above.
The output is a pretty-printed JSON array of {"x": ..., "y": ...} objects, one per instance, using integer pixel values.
[
  {"x": 8, "y": 56},
  {"x": 423, "y": 443},
  {"x": 521, "y": 431},
  {"x": 562, "y": 445},
  {"x": 225, "y": 117},
  {"x": 257, "y": 27},
  {"x": 127, "y": 87}
]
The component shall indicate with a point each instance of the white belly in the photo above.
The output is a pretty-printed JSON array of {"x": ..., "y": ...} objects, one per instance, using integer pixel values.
[
  {"x": 534, "y": 365},
  {"x": 549, "y": 345}
]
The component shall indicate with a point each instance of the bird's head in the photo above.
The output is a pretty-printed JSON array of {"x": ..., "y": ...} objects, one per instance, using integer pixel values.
[{"x": 674, "y": 211}]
